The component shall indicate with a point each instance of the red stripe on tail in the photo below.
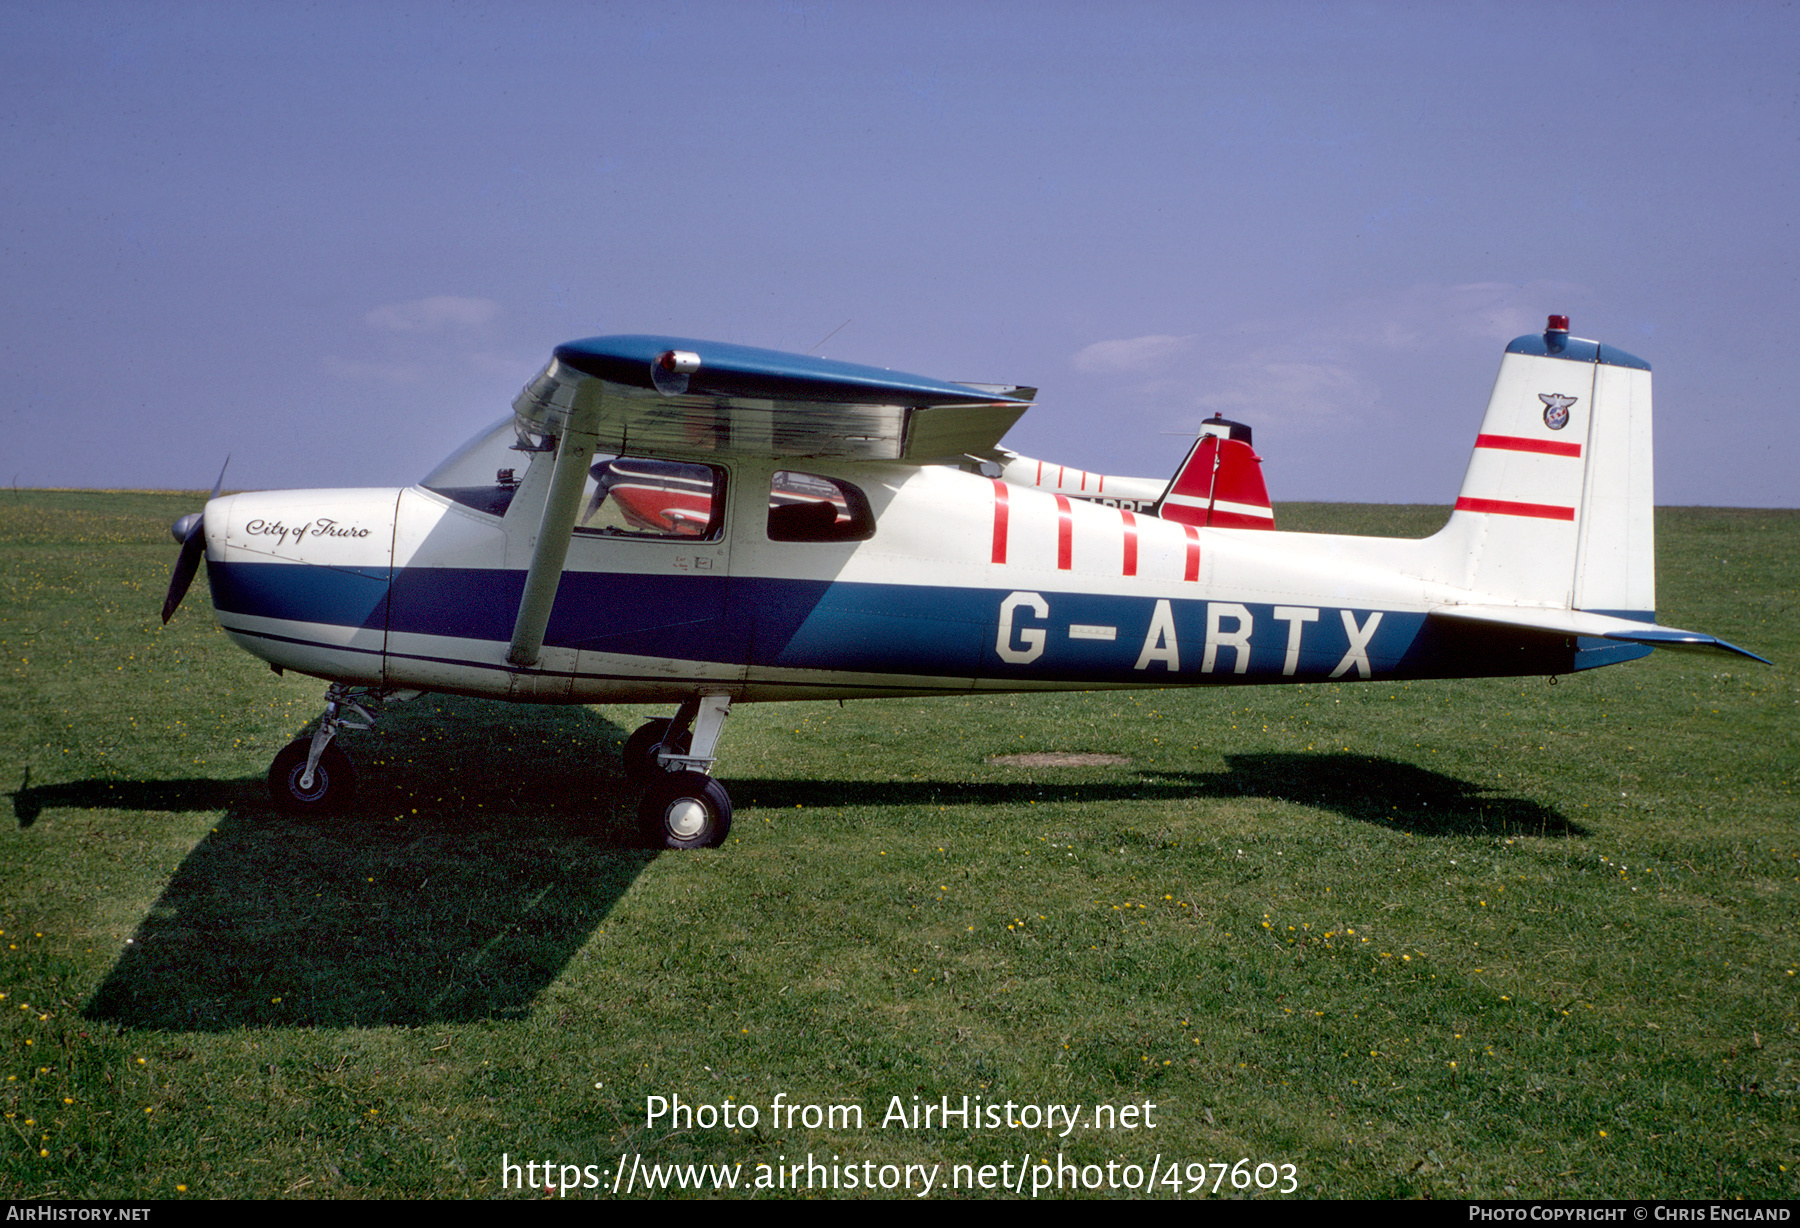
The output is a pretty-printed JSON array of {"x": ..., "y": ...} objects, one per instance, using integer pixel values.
[
  {"x": 1518, "y": 443},
  {"x": 1506, "y": 507}
]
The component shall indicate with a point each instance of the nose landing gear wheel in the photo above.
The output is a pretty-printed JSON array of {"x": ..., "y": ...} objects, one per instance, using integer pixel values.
[
  {"x": 333, "y": 782},
  {"x": 685, "y": 810}
]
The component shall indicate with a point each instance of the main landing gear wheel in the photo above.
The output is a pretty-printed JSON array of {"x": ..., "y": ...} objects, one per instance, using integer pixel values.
[
  {"x": 333, "y": 783},
  {"x": 685, "y": 810},
  {"x": 642, "y": 746}
]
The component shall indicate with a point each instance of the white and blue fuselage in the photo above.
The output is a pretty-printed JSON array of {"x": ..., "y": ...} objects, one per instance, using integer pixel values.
[{"x": 967, "y": 584}]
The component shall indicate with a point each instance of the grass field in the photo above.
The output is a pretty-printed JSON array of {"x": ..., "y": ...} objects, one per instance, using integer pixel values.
[{"x": 1465, "y": 939}]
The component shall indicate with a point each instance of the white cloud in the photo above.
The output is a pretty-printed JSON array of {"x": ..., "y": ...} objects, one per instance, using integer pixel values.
[
  {"x": 1134, "y": 355},
  {"x": 430, "y": 315}
]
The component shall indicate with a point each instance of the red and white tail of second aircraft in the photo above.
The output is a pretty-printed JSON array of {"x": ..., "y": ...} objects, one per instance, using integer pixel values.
[{"x": 1219, "y": 484}]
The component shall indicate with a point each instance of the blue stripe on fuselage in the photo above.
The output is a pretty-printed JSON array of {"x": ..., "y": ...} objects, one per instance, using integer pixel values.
[
  {"x": 593, "y": 610},
  {"x": 666, "y": 616},
  {"x": 336, "y": 596},
  {"x": 903, "y": 629},
  {"x": 913, "y": 629}
]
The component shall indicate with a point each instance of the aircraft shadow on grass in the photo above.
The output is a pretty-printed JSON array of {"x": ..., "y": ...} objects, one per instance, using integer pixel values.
[
  {"x": 452, "y": 896},
  {"x": 449, "y": 894},
  {"x": 1364, "y": 788}
]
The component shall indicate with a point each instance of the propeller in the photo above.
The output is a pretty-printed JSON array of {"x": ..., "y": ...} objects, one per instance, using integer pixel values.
[{"x": 190, "y": 531}]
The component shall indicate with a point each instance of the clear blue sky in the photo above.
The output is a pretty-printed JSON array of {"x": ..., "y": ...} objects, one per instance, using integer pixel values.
[{"x": 333, "y": 240}]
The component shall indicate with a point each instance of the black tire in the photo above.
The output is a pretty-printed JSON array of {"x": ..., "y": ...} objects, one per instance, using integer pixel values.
[
  {"x": 641, "y": 748},
  {"x": 334, "y": 780},
  {"x": 685, "y": 810}
]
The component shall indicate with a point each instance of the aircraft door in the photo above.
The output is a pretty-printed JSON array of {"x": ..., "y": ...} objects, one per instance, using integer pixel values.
[{"x": 643, "y": 593}]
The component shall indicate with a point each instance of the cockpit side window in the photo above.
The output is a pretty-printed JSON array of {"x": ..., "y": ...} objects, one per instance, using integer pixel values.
[
  {"x": 806, "y": 507},
  {"x": 635, "y": 496}
]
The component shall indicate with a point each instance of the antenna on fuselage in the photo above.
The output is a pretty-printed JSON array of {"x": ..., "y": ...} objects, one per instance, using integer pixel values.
[{"x": 828, "y": 336}]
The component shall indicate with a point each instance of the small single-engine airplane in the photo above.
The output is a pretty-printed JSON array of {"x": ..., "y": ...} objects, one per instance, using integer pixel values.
[{"x": 690, "y": 523}]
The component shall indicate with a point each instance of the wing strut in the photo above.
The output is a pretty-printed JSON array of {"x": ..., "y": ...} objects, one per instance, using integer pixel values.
[{"x": 574, "y": 453}]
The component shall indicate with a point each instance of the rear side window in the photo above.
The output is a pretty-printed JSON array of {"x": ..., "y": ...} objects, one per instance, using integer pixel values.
[{"x": 806, "y": 507}]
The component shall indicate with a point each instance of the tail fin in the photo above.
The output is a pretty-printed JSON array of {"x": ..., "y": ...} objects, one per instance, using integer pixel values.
[
  {"x": 1553, "y": 528},
  {"x": 1556, "y": 507},
  {"x": 1220, "y": 483}
]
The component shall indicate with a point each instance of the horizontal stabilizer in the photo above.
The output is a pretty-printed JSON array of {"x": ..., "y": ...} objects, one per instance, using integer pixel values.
[{"x": 1583, "y": 622}]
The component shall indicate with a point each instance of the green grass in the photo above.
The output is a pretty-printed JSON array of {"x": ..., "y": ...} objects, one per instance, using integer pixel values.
[{"x": 1470, "y": 939}]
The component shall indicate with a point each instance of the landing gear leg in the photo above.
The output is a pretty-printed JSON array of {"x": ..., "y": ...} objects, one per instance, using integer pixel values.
[
  {"x": 684, "y": 807},
  {"x": 312, "y": 776}
]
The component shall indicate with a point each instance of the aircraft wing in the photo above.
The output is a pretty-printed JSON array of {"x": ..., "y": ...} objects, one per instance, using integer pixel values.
[
  {"x": 674, "y": 396},
  {"x": 670, "y": 396},
  {"x": 1583, "y": 622}
]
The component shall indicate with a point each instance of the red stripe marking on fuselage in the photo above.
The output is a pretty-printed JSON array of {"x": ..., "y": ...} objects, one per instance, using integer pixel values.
[
  {"x": 1518, "y": 443},
  {"x": 1064, "y": 534},
  {"x": 1506, "y": 507},
  {"x": 1130, "y": 542},
  {"x": 999, "y": 521},
  {"x": 1193, "y": 552}
]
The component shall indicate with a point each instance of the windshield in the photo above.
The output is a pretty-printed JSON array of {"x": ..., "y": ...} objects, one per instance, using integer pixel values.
[{"x": 484, "y": 473}]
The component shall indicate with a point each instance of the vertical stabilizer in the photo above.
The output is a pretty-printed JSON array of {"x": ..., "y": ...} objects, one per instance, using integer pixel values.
[
  {"x": 1220, "y": 483},
  {"x": 1555, "y": 509}
]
